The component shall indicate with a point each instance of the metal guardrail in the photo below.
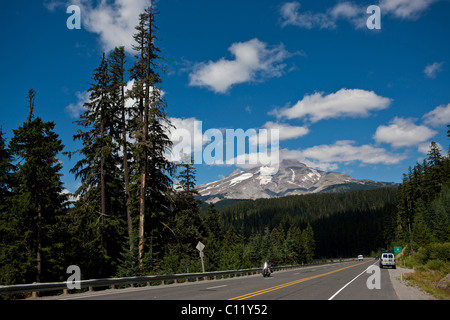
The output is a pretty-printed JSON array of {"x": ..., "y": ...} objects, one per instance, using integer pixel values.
[{"x": 113, "y": 282}]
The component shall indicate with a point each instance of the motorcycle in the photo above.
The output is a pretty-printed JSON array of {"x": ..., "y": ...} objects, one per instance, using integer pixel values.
[{"x": 266, "y": 271}]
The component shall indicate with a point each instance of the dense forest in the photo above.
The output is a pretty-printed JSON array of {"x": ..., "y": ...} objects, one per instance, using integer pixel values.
[
  {"x": 344, "y": 224},
  {"x": 131, "y": 218},
  {"x": 423, "y": 216}
]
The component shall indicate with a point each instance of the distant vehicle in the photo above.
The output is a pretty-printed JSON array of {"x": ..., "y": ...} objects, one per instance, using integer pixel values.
[
  {"x": 360, "y": 257},
  {"x": 387, "y": 259}
]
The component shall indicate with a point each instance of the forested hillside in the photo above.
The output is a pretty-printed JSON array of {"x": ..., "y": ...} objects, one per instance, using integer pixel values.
[{"x": 344, "y": 224}]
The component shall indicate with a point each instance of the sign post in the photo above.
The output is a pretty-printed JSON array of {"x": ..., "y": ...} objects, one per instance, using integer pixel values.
[{"x": 200, "y": 246}]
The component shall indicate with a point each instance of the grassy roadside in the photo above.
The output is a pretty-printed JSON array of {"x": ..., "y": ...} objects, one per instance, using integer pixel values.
[{"x": 432, "y": 269}]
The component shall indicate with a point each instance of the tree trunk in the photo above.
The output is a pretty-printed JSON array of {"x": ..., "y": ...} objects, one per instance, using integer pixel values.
[
  {"x": 126, "y": 171},
  {"x": 39, "y": 244},
  {"x": 103, "y": 185}
]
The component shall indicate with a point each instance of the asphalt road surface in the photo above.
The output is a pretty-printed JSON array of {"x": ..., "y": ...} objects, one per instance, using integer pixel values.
[{"x": 340, "y": 281}]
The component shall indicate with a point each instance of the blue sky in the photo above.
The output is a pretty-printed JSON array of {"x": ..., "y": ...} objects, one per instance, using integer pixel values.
[{"x": 345, "y": 98}]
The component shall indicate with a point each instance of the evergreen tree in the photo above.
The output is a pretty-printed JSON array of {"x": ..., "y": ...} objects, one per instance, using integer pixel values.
[
  {"x": 101, "y": 190},
  {"x": 232, "y": 251},
  {"x": 6, "y": 172},
  {"x": 448, "y": 135},
  {"x": 294, "y": 245},
  {"x": 37, "y": 199},
  {"x": 420, "y": 232},
  {"x": 278, "y": 238},
  {"x": 185, "y": 221},
  {"x": 9, "y": 269},
  {"x": 213, "y": 237},
  {"x": 117, "y": 62},
  {"x": 150, "y": 127},
  {"x": 435, "y": 165},
  {"x": 308, "y": 244}
]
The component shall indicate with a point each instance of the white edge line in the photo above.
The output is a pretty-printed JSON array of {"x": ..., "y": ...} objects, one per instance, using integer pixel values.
[{"x": 365, "y": 270}]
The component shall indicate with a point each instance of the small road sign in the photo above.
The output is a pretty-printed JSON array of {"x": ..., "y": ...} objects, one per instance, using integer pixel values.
[{"x": 200, "y": 246}]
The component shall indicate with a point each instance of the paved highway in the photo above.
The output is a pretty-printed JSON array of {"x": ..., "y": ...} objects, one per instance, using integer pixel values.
[{"x": 341, "y": 281}]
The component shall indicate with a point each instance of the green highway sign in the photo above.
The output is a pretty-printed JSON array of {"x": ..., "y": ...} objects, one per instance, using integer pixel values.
[{"x": 397, "y": 249}]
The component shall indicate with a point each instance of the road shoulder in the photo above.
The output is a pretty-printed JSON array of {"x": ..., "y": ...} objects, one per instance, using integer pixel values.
[{"x": 403, "y": 290}]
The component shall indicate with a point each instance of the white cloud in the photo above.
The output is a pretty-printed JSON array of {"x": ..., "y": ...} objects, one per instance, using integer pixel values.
[
  {"x": 345, "y": 10},
  {"x": 290, "y": 16},
  {"x": 353, "y": 13},
  {"x": 287, "y": 131},
  {"x": 432, "y": 69},
  {"x": 114, "y": 21},
  {"x": 440, "y": 116},
  {"x": 403, "y": 132},
  {"x": 405, "y": 9},
  {"x": 346, "y": 151},
  {"x": 254, "y": 61},
  {"x": 77, "y": 108},
  {"x": 343, "y": 103},
  {"x": 328, "y": 157},
  {"x": 70, "y": 196}
]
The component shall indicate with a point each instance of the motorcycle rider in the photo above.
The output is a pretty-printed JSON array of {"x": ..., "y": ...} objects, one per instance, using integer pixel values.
[{"x": 268, "y": 266}]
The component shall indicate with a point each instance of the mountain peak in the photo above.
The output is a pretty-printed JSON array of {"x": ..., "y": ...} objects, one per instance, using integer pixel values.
[
  {"x": 292, "y": 177},
  {"x": 291, "y": 163},
  {"x": 235, "y": 172}
]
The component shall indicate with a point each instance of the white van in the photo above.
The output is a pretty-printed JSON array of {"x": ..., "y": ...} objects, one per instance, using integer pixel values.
[{"x": 387, "y": 259}]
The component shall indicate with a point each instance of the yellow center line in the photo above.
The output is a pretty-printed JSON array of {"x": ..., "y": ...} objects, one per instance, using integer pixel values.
[{"x": 284, "y": 285}]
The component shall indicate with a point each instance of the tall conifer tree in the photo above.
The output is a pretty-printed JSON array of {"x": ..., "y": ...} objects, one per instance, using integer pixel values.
[
  {"x": 117, "y": 62},
  {"x": 150, "y": 127},
  {"x": 100, "y": 183},
  {"x": 38, "y": 197}
]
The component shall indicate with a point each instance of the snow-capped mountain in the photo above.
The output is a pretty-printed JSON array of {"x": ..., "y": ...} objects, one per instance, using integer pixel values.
[{"x": 291, "y": 178}]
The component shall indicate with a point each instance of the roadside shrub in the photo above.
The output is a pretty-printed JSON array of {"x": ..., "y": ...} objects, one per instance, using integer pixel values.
[
  {"x": 435, "y": 264},
  {"x": 433, "y": 251},
  {"x": 440, "y": 251}
]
